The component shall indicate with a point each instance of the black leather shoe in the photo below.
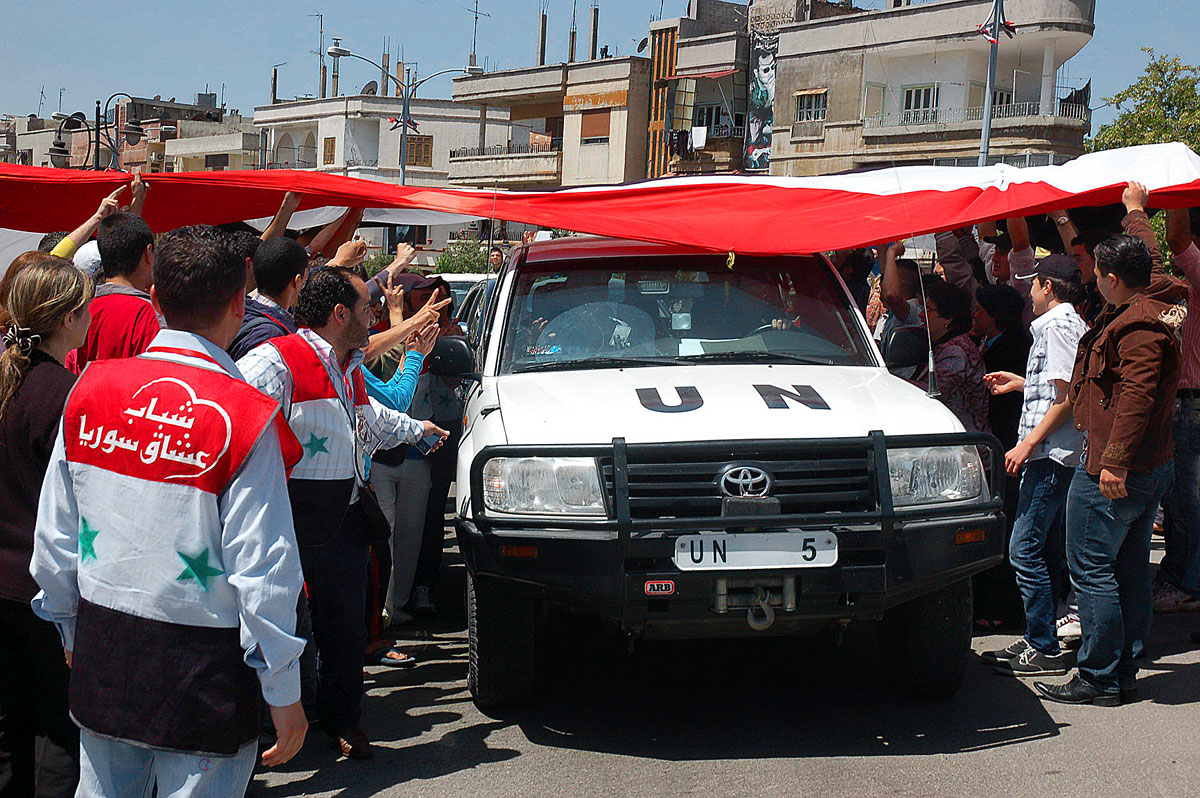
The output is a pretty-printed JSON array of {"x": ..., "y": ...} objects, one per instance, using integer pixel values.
[
  {"x": 1076, "y": 691},
  {"x": 1010, "y": 652},
  {"x": 1130, "y": 695}
]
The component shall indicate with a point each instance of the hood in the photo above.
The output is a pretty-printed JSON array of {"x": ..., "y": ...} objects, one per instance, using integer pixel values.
[{"x": 821, "y": 402}]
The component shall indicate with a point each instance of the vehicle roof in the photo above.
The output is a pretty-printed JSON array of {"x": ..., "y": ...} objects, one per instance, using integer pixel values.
[
  {"x": 460, "y": 277},
  {"x": 587, "y": 247}
]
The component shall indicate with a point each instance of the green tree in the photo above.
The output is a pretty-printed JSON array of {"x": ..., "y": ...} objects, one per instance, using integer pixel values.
[
  {"x": 1162, "y": 106},
  {"x": 462, "y": 256}
]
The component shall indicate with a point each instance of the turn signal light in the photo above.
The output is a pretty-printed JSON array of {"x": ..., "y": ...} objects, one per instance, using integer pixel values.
[
  {"x": 519, "y": 552},
  {"x": 970, "y": 536}
]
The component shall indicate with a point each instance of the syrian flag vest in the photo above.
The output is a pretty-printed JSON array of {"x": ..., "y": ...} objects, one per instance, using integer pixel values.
[
  {"x": 152, "y": 444},
  {"x": 322, "y": 483}
]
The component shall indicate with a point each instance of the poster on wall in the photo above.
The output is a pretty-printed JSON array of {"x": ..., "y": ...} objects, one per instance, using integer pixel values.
[{"x": 760, "y": 103}]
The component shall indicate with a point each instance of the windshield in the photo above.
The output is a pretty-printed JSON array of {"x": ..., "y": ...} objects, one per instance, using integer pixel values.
[
  {"x": 679, "y": 310},
  {"x": 458, "y": 291}
]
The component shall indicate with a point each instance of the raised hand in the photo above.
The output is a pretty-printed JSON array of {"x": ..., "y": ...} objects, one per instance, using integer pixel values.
[{"x": 423, "y": 340}]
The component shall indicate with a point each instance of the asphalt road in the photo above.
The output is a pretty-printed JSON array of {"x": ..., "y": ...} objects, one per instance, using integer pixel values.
[{"x": 751, "y": 717}]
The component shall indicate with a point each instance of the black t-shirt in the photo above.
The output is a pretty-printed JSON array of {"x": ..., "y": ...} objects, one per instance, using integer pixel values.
[{"x": 28, "y": 430}]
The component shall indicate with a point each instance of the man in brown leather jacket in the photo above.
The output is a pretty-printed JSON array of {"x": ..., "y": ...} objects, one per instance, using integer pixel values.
[{"x": 1122, "y": 391}]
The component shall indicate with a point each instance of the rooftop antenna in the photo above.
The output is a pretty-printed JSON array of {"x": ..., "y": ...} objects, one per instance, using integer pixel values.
[
  {"x": 573, "y": 34},
  {"x": 475, "y": 30},
  {"x": 42, "y": 100},
  {"x": 320, "y": 53},
  {"x": 60, "y": 96}
]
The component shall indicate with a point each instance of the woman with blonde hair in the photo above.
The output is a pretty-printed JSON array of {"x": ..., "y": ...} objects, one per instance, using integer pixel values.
[{"x": 45, "y": 316}]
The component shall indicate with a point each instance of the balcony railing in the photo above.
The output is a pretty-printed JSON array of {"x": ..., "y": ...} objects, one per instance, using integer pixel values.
[
  {"x": 506, "y": 149},
  {"x": 950, "y": 116}
]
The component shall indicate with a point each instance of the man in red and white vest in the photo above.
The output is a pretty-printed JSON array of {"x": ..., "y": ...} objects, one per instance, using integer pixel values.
[
  {"x": 316, "y": 377},
  {"x": 165, "y": 549}
]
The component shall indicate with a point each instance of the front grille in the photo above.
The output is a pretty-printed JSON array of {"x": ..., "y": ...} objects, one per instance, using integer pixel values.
[{"x": 828, "y": 480}]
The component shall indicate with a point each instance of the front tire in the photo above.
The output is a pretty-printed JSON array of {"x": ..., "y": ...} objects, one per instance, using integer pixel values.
[
  {"x": 925, "y": 644},
  {"x": 501, "y": 630}
]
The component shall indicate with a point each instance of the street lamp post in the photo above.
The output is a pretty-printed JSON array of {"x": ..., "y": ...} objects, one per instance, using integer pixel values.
[
  {"x": 131, "y": 131},
  {"x": 409, "y": 88}
]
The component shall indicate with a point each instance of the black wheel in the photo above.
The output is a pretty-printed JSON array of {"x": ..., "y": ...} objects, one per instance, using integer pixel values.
[
  {"x": 501, "y": 629},
  {"x": 925, "y": 644}
]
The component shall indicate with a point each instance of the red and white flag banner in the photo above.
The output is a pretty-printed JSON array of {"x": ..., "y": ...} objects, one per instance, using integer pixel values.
[{"x": 744, "y": 214}]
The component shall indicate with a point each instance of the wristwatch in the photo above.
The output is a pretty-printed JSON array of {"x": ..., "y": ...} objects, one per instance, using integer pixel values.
[{"x": 1062, "y": 220}]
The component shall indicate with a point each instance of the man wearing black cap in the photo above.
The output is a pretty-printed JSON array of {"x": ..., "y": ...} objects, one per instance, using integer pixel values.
[{"x": 1045, "y": 458}]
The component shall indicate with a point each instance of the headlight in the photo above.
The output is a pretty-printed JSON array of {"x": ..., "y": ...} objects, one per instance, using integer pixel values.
[
  {"x": 935, "y": 474},
  {"x": 543, "y": 486}
]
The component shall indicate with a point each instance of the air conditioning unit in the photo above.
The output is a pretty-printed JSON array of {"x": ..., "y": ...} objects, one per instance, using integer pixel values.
[{"x": 156, "y": 157}]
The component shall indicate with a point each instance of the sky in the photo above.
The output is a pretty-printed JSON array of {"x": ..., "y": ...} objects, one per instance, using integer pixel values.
[{"x": 175, "y": 48}]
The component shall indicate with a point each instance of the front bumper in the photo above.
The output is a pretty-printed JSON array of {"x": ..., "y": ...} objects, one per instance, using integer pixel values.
[{"x": 885, "y": 557}]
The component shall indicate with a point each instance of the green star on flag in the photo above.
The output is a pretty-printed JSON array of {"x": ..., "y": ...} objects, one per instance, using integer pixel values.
[
  {"x": 87, "y": 541},
  {"x": 198, "y": 568},
  {"x": 315, "y": 445}
]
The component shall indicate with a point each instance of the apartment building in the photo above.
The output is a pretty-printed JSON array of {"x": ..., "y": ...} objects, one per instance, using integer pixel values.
[
  {"x": 905, "y": 85},
  {"x": 579, "y": 123},
  {"x": 359, "y": 136}
]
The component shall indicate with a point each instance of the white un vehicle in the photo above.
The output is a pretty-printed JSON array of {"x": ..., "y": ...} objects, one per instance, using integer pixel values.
[{"x": 693, "y": 449}]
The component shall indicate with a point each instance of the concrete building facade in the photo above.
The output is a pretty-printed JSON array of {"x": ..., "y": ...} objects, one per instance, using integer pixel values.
[
  {"x": 580, "y": 123},
  {"x": 359, "y": 136},
  {"x": 906, "y": 85}
]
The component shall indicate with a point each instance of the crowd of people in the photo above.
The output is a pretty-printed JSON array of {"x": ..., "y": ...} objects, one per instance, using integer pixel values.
[
  {"x": 1086, "y": 367},
  {"x": 245, "y": 486},
  {"x": 164, "y": 402}
]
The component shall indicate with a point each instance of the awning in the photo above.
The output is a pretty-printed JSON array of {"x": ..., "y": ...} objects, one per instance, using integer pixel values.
[
  {"x": 806, "y": 92},
  {"x": 698, "y": 75}
]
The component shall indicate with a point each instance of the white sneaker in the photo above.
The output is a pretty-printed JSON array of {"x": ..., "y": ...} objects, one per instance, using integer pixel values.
[{"x": 1068, "y": 627}]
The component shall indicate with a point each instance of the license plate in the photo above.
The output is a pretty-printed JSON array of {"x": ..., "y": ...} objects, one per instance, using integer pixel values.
[{"x": 756, "y": 551}]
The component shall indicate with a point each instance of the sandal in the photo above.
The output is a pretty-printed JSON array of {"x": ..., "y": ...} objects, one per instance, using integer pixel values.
[{"x": 392, "y": 657}]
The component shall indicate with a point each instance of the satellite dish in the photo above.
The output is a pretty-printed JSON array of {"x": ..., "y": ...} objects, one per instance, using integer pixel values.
[
  {"x": 371, "y": 88},
  {"x": 642, "y": 44}
]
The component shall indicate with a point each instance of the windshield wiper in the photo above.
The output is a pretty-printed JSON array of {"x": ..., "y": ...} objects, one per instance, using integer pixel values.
[
  {"x": 756, "y": 357},
  {"x": 597, "y": 362}
]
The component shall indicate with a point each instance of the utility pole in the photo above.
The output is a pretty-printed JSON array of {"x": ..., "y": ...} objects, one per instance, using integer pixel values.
[
  {"x": 321, "y": 54},
  {"x": 404, "y": 126},
  {"x": 991, "y": 30}
]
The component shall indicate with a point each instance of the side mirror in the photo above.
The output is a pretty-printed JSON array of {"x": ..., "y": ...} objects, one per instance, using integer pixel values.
[
  {"x": 906, "y": 352},
  {"x": 451, "y": 357}
]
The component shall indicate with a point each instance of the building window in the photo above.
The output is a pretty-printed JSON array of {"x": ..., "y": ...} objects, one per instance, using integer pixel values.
[
  {"x": 708, "y": 116},
  {"x": 594, "y": 126},
  {"x": 920, "y": 104},
  {"x": 685, "y": 100},
  {"x": 811, "y": 105},
  {"x": 1002, "y": 97},
  {"x": 420, "y": 151},
  {"x": 329, "y": 148},
  {"x": 216, "y": 163}
]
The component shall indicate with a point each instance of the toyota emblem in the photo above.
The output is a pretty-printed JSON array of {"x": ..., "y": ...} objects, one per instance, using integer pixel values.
[{"x": 745, "y": 482}]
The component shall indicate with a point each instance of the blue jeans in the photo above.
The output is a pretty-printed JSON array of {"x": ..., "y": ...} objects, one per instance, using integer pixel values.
[
  {"x": 1035, "y": 557},
  {"x": 113, "y": 769},
  {"x": 1181, "y": 558},
  {"x": 1108, "y": 548}
]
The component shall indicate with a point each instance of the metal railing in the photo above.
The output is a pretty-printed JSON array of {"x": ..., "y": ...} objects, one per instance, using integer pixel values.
[
  {"x": 950, "y": 116},
  {"x": 506, "y": 149}
]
